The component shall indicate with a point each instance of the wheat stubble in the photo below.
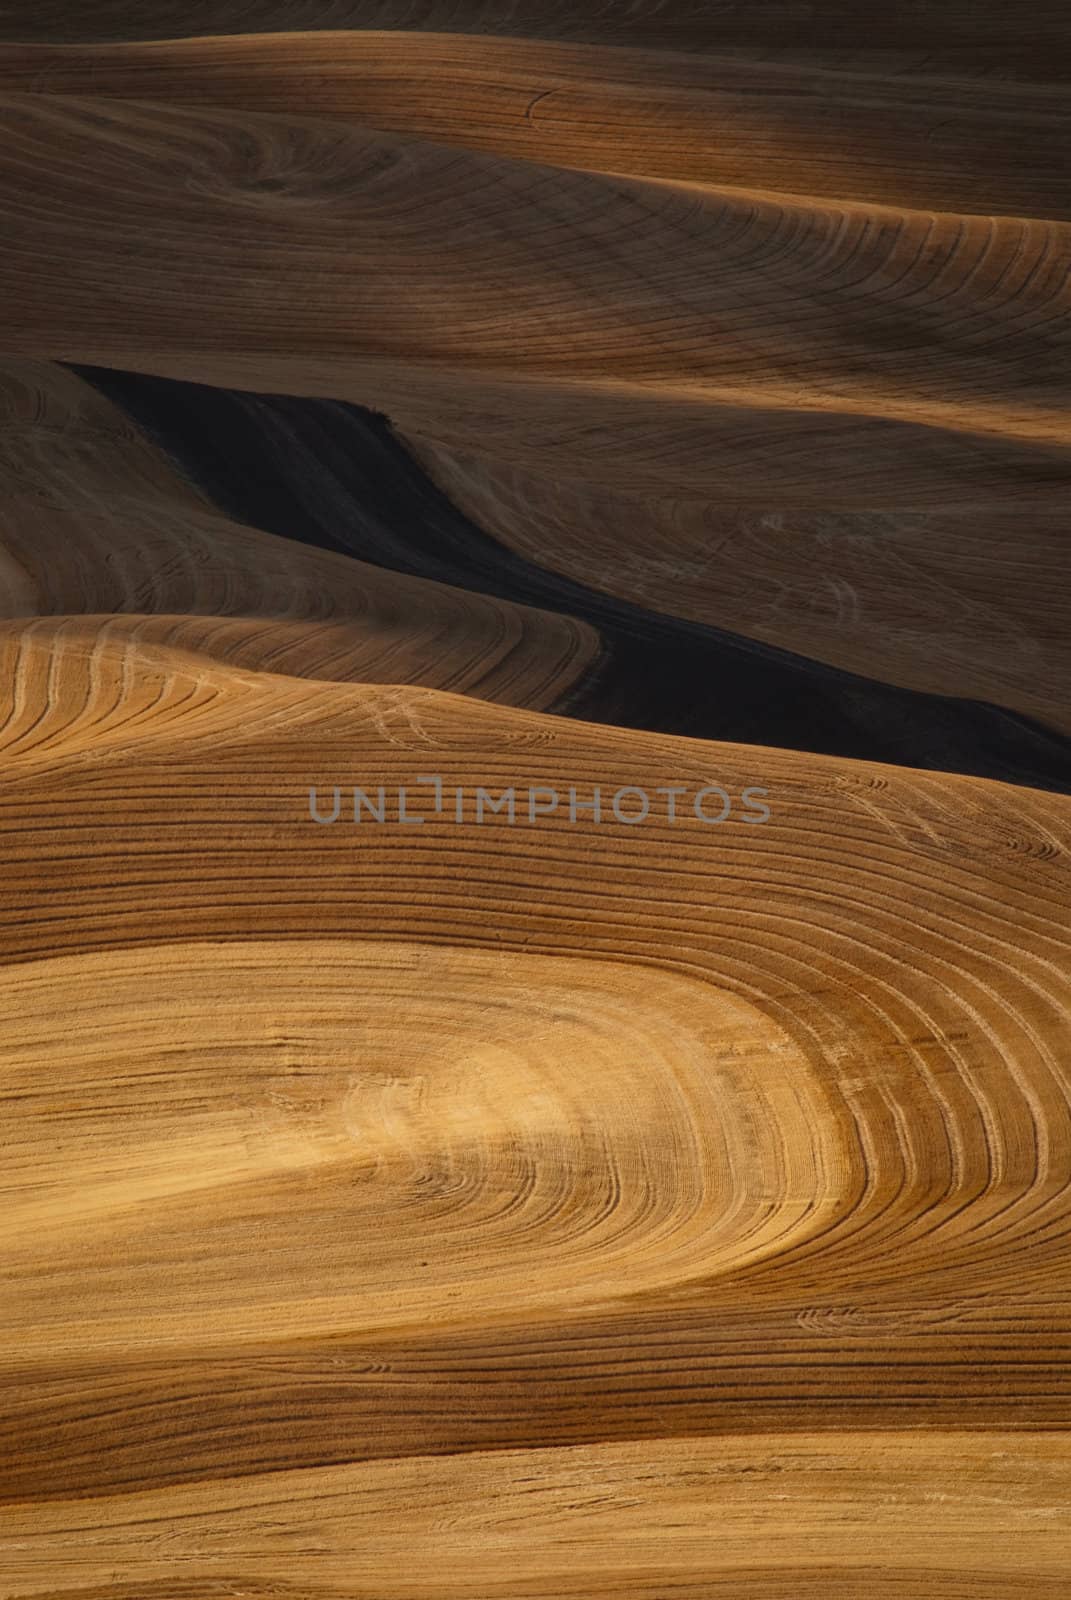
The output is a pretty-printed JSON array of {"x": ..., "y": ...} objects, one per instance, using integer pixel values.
[
  {"x": 534, "y": 1210},
  {"x": 538, "y": 1139}
]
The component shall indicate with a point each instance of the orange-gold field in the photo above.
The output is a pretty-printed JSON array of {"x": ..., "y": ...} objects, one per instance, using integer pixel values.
[{"x": 417, "y": 402}]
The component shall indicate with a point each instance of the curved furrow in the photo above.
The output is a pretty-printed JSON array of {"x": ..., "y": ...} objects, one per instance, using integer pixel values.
[
  {"x": 473, "y": 297},
  {"x": 943, "y": 143}
]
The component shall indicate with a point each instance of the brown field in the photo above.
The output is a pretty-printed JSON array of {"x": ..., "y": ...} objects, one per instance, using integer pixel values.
[{"x": 549, "y": 1209}]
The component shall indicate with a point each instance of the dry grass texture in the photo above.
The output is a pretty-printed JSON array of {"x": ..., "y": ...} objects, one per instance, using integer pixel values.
[
  {"x": 553, "y": 1211},
  {"x": 841, "y": 352}
]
